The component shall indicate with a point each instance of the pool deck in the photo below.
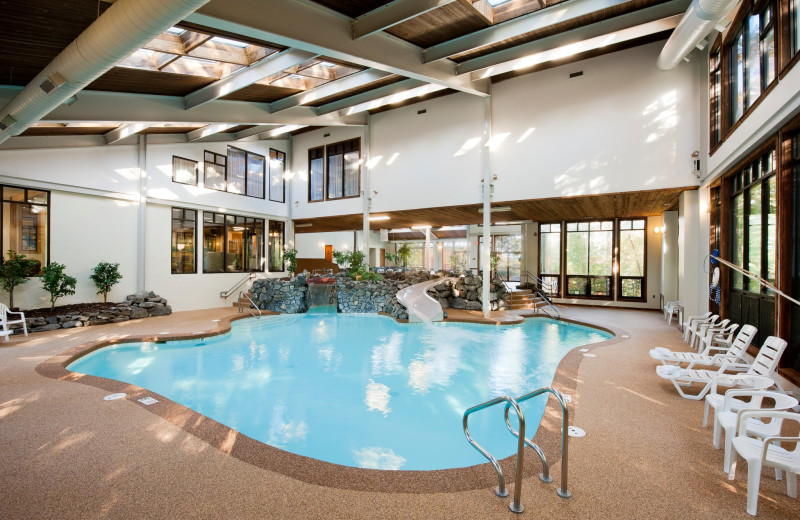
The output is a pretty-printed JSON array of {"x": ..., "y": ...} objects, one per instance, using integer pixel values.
[{"x": 67, "y": 453}]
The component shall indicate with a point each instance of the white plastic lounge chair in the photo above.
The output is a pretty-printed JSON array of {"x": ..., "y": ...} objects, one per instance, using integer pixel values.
[
  {"x": 766, "y": 452},
  {"x": 4, "y": 312},
  {"x": 691, "y": 320},
  {"x": 733, "y": 408},
  {"x": 711, "y": 355},
  {"x": 764, "y": 364}
]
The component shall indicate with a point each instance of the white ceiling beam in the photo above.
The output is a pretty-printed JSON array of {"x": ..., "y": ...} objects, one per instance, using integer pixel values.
[
  {"x": 359, "y": 79},
  {"x": 134, "y": 108},
  {"x": 517, "y": 27},
  {"x": 247, "y": 76},
  {"x": 281, "y": 130},
  {"x": 392, "y": 14},
  {"x": 388, "y": 90},
  {"x": 126, "y": 130},
  {"x": 320, "y": 32},
  {"x": 206, "y": 131},
  {"x": 394, "y": 98},
  {"x": 258, "y": 129},
  {"x": 583, "y": 45},
  {"x": 605, "y": 27}
]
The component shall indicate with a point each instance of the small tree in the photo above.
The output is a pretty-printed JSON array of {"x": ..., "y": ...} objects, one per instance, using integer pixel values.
[
  {"x": 356, "y": 259},
  {"x": 105, "y": 276},
  {"x": 57, "y": 282},
  {"x": 290, "y": 255},
  {"x": 342, "y": 258},
  {"x": 15, "y": 271},
  {"x": 403, "y": 253}
]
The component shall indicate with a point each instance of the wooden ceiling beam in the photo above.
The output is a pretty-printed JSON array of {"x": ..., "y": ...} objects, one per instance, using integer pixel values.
[
  {"x": 393, "y": 14},
  {"x": 191, "y": 39}
]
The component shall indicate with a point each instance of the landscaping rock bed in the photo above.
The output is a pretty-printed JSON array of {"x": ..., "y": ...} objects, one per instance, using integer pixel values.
[
  {"x": 275, "y": 294},
  {"x": 135, "y": 306}
]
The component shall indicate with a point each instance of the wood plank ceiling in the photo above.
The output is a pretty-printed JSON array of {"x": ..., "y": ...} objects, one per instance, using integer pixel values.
[{"x": 584, "y": 207}]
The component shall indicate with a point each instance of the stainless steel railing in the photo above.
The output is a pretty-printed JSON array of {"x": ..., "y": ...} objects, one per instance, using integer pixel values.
[
  {"x": 501, "y": 491},
  {"x": 249, "y": 308},
  {"x": 226, "y": 294}
]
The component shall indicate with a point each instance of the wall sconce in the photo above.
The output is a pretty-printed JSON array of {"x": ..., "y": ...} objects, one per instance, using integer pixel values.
[
  {"x": 696, "y": 163},
  {"x": 657, "y": 230}
]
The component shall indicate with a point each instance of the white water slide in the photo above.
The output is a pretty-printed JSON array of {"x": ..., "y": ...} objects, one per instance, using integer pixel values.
[{"x": 421, "y": 306}]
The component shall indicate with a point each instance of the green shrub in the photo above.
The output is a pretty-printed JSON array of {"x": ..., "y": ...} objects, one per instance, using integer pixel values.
[
  {"x": 290, "y": 255},
  {"x": 57, "y": 282},
  {"x": 105, "y": 276}
]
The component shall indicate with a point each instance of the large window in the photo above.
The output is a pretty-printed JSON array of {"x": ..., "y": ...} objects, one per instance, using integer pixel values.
[
  {"x": 241, "y": 172},
  {"x": 415, "y": 259},
  {"x": 455, "y": 255},
  {"x": 25, "y": 228},
  {"x": 316, "y": 174},
  {"x": 753, "y": 242},
  {"x": 276, "y": 244},
  {"x": 794, "y": 27},
  {"x": 550, "y": 257},
  {"x": 232, "y": 244},
  {"x": 509, "y": 251},
  {"x": 750, "y": 54},
  {"x": 589, "y": 258},
  {"x": 184, "y": 225},
  {"x": 335, "y": 171},
  {"x": 277, "y": 184},
  {"x": 631, "y": 241},
  {"x": 184, "y": 170}
]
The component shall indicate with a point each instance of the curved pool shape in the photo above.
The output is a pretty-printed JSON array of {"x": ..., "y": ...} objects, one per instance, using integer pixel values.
[{"x": 351, "y": 389}]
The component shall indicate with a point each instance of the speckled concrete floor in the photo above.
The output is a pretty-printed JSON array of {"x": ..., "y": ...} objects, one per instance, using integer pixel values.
[{"x": 66, "y": 453}]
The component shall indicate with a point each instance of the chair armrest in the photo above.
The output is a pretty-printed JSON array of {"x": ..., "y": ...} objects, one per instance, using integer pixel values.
[
  {"x": 772, "y": 440},
  {"x": 22, "y": 314}
]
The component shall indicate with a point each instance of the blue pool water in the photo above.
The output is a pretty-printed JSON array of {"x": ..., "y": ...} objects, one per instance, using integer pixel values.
[{"x": 357, "y": 390}]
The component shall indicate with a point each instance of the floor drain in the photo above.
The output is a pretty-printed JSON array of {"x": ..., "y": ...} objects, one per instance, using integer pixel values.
[
  {"x": 584, "y": 350},
  {"x": 148, "y": 401},
  {"x": 590, "y": 355},
  {"x": 574, "y": 431},
  {"x": 113, "y": 397},
  {"x": 625, "y": 336},
  {"x": 567, "y": 398}
]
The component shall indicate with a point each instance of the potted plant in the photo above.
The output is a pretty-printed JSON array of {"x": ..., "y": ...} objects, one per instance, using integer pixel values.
[{"x": 403, "y": 253}]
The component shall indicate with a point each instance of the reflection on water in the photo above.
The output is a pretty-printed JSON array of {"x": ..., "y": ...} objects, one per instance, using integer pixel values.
[{"x": 354, "y": 390}]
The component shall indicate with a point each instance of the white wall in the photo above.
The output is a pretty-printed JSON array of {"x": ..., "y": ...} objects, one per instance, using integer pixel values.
[
  {"x": 622, "y": 126},
  {"x": 669, "y": 256},
  {"x": 430, "y": 159}
]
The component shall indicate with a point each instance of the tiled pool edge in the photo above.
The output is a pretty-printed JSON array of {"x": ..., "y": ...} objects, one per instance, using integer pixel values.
[{"x": 321, "y": 473}]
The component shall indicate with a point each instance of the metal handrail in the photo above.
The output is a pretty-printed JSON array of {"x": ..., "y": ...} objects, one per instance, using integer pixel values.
[
  {"x": 563, "y": 492},
  {"x": 549, "y": 304},
  {"x": 501, "y": 490},
  {"x": 252, "y": 305},
  {"x": 226, "y": 294},
  {"x": 541, "y": 284}
]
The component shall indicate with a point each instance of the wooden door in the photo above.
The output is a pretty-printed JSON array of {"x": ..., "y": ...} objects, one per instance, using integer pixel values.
[{"x": 329, "y": 253}]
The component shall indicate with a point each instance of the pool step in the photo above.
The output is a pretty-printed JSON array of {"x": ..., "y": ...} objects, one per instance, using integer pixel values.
[
  {"x": 525, "y": 299},
  {"x": 244, "y": 302}
]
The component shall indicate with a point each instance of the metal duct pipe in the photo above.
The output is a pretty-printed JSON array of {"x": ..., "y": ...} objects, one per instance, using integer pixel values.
[
  {"x": 698, "y": 21},
  {"x": 125, "y": 27}
]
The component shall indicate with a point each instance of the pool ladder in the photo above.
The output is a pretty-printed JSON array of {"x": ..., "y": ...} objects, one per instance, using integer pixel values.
[{"x": 510, "y": 402}]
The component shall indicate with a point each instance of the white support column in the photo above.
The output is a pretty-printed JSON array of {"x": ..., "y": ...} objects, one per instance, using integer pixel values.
[
  {"x": 289, "y": 230},
  {"x": 366, "y": 191},
  {"x": 141, "y": 233},
  {"x": 487, "y": 204},
  {"x": 426, "y": 257}
]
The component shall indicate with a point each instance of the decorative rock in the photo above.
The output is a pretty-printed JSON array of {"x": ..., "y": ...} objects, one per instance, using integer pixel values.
[
  {"x": 49, "y": 326},
  {"x": 136, "y": 313}
]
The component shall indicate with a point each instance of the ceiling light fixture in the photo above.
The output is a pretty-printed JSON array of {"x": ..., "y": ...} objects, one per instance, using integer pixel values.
[
  {"x": 498, "y": 209},
  {"x": 379, "y": 217},
  {"x": 306, "y": 224}
]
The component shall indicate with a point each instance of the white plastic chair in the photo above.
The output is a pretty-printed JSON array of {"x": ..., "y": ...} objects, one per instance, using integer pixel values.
[
  {"x": 712, "y": 355},
  {"x": 765, "y": 364},
  {"x": 766, "y": 452},
  {"x": 690, "y": 321},
  {"x": 715, "y": 400},
  {"x": 733, "y": 408},
  {"x": 719, "y": 331},
  {"x": 4, "y": 312},
  {"x": 699, "y": 329},
  {"x": 670, "y": 310}
]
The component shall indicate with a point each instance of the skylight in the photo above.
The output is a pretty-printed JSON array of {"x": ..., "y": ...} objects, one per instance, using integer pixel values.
[
  {"x": 228, "y": 41},
  {"x": 495, "y": 3}
]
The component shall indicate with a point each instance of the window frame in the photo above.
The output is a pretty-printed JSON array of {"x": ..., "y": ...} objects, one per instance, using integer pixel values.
[
  {"x": 47, "y": 205},
  {"x": 276, "y": 226},
  {"x": 561, "y": 246},
  {"x": 226, "y": 172},
  {"x": 279, "y": 156},
  {"x": 326, "y": 152},
  {"x": 229, "y": 221},
  {"x": 174, "y": 170},
  {"x": 172, "y": 238},
  {"x": 216, "y": 156},
  {"x": 589, "y": 277},
  {"x": 618, "y": 271}
]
